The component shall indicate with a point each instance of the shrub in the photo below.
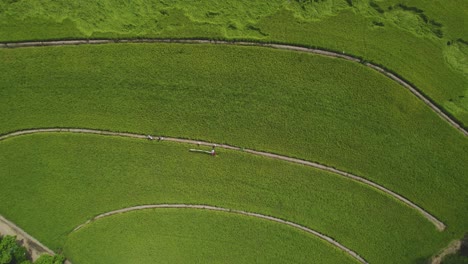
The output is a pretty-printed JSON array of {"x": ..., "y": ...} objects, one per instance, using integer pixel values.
[
  {"x": 11, "y": 252},
  {"x": 48, "y": 259}
]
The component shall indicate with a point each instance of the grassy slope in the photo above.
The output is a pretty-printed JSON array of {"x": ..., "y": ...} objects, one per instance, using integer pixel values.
[
  {"x": 405, "y": 43},
  {"x": 295, "y": 104},
  {"x": 175, "y": 236},
  {"x": 411, "y": 57},
  {"x": 74, "y": 177}
]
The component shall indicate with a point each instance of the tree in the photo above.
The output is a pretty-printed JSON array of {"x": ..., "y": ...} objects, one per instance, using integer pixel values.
[
  {"x": 11, "y": 252},
  {"x": 48, "y": 259}
]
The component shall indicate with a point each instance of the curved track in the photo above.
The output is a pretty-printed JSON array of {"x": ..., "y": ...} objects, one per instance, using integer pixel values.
[
  {"x": 214, "y": 208},
  {"x": 390, "y": 75},
  {"x": 33, "y": 245},
  {"x": 439, "y": 225}
]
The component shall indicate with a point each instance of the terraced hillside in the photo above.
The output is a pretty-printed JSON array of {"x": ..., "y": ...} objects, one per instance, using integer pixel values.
[
  {"x": 319, "y": 155},
  {"x": 423, "y": 41}
]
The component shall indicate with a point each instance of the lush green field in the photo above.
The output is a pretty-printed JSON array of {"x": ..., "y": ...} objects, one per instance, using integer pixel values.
[
  {"x": 178, "y": 235},
  {"x": 424, "y": 41},
  {"x": 331, "y": 111},
  {"x": 52, "y": 183},
  {"x": 321, "y": 109}
]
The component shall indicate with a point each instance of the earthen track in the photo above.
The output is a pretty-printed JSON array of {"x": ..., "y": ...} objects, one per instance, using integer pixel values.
[
  {"x": 322, "y": 52},
  {"x": 440, "y": 226},
  {"x": 220, "y": 209}
]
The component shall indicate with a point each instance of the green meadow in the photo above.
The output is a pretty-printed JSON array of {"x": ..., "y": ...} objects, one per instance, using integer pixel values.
[
  {"x": 307, "y": 106},
  {"x": 331, "y": 111},
  {"x": 52, "y": 183},
  {"x": 178, "y": 235},
  {"x": 425, "y": 42}
]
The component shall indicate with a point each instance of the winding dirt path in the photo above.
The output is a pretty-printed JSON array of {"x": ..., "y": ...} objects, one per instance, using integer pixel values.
[
  {"x": 452, "y": 248},
  {"x": 388, "y": 74},
  {"x": 32, "y": 245},
  {"x": 439, "y": 225},
  {"x": 214, "y": 208}
]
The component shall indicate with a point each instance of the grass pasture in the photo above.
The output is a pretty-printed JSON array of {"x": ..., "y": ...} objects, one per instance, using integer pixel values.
[
  {"x": 300, "y": 105},
  {"x": 331, "y": 111},
  {"x": 114, "y": 173},
  {"x": 176, "y": 235},
  {"x": 420, "y": 40}
]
